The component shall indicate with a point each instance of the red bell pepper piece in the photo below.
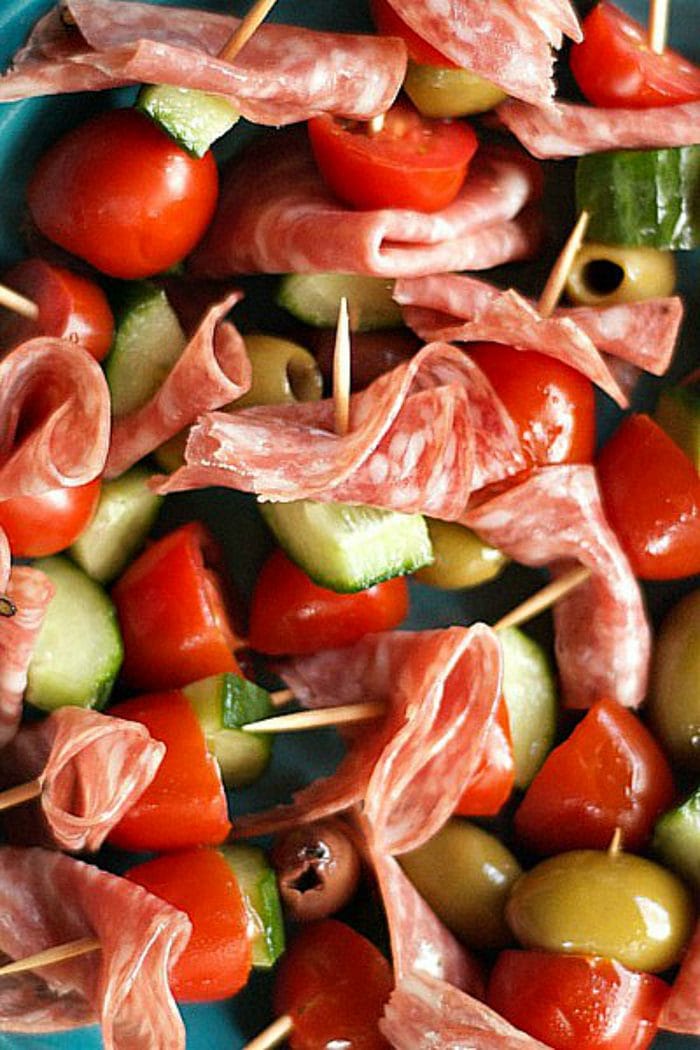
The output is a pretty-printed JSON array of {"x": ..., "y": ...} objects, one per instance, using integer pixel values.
[
  {"x": 172, "y": 613},
  {"x": 217, "y": 960},
  {"x": 185, "y": 804},
  {"x": 491, "y": 785}
]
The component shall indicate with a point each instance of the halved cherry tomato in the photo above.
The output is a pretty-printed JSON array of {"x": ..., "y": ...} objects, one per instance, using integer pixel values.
[
  {"x": 172, "y": 612},
  {"x": 388, "y": 23},
  {"x": 120, "y": 193},
  {"x": 412, "y": 162},
  {"x": 615, "y": 66},
  {"x": 552, "y": 405},
  {"x": 185, "y": 803},
  {"x": 45, "y": 524},
  {"x": 577, "y": 1002},
  {"x": 70, "y": 307},
  {"x": 493, "y": 781},
  {"x": 217, "y": 960},
  {"x": 651, "y": 493},
  {"x": 610, "y": 773},
  {"x": 291, "y": 614},
  {"x": 334, "y": 984}
]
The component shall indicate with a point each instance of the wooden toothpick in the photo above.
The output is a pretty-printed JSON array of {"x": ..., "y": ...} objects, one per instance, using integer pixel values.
[
  {"x": 242, "y": 34},
  {"x": 560, "y": 271},
  {"x": 341, "y": 371},
  {"x": 658, "y": 25},
  {"x": 273, "y": 1035},
  {"x": 343, "y": 714},
  {"x": 19, "y": 304},
  {"x": 52, "y": 956},
  {"x": 544, "y": 599},
  {"x": 17, "y": 795}
]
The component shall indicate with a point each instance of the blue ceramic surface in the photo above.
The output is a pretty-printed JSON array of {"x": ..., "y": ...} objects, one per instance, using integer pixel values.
[{"x": 25, "y": 131}]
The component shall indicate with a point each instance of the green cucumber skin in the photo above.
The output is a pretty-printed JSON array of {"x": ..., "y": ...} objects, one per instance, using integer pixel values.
[
  {"x": 642, "y": 197},
  {"x": 258, "y": 884},
  {"x": 315, "y": 299},
  {"x": 193, "y": 119}
]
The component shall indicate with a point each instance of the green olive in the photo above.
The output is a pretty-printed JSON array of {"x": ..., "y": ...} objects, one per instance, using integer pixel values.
[
  {"x": 674, "y": 696},
  {"x": 613, "y": 904},
  {"x": 441, "y": 92},
  {"x": 283, "y": 372},
  {"x": 603, "y": 274},
  {"x": 465, "y": 875},
  {"x": 461, "y": 558}
]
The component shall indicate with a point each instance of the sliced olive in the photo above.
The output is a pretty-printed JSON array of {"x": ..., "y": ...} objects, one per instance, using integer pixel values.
[
  {"x": 603, "y": 274},
  {"x": 441, "y": 92},
  {"x": 283, "y": 372},
  {"x": 461, "y": 558},
  {"x": 318, "y": 870},
  {"x": 465, "y": 875},
  {"x": 613, "y": 904},
  {"x": 674, "y": 696}
]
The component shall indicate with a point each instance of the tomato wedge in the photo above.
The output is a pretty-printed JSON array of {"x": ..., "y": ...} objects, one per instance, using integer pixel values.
[
  {"x": 388, "y": 23},
  {"x": 493, "y": 781},
  {"x": 46, "y": 524},
  {"x": 411, "y": 163},
  {"x": 615, "y": 66}
]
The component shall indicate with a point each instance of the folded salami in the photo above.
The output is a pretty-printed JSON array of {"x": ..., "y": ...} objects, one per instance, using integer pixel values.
[
  {"x": 504, "y": 41},
  {"x": 421, "y": 438},
  {"x": 681, "y": 1012},
  {"x": 276, "y": 215},
  {"x": 46, "y": 899},
  {"x": 28, "y": 592},
  {"x": 283, "y": 75},
  {"x": 212, "y": 371},
  {"x": 566, "y": 129},
  {"x": 91, "y": 768},
  {"x": 603, "y": 640},
  {"x": 54, "y": 418}
]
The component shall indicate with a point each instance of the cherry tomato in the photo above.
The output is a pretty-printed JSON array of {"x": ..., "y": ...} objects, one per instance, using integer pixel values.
[
  {"x": 610, "y": 773},
  {"x": 388, "y": 23},
  {"x": 577, "y": 1002},
  {"x": 651, "y": 493},
  {"x": 185, "y": 803},
  {"x": 493, "y": 781},
  {"x": 70, "y": 307},
  {"x": 412, "y": 162},
  {"x": 615, "y": 66},
  {"x": 45, "y": 524},
  {"x": 217, "y": 960},
  {"x": 291, "y": 614},
  {"x": 334, "y": 985},
  {"x": 120, "y": 193},
  {"x": 552, "y": 405},
  {"x": 172, "y": 613}
]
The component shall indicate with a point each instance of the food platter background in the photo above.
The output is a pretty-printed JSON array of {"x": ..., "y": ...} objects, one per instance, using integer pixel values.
[{"x": 26, "y": 129}]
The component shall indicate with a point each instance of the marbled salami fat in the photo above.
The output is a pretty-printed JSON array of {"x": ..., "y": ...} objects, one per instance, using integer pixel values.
[
  {"x": 276, "y": 215},
  {"x": 283, "y": 75},
  {"x": 46, "y": 899},
  {"x": 29, "y": 591}
]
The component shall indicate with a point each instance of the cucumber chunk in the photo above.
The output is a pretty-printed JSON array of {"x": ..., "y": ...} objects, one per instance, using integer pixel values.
[
  {"x": 315, "y": 299},
  {"x": 194, "y": 119},
  {"x": 147, "y": 343},
  {"x": 258, "y": 884},
  {"x": 346, "y": 548},
  {"x": 530, "y": 694},
  {"x": 678, "y": 413},
  {"x": 677, "y": 839},
  {"x": 79, "y": 650},
  {"x": 124, "y": 516},
  {"x": 222, "y": 704},
  {"x": 642, "y": 197}
]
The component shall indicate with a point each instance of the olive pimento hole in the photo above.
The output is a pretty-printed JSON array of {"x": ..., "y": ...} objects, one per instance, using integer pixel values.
[{"x": 603, "y": 276}]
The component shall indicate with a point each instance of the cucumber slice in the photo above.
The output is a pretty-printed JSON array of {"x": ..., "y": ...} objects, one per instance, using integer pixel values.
[
  {"x": 347, "y": 548},
  {"x": 222, "y": 704},
  {"x": 124, "y": 516},
  {"x": 677, "y": 839},
  {"x": 531, "y": 698},
  {"x": 315, "y": 299},
  {"x": 678, "y": 412},
  {"x": 79, "y": 650},
  {"x": 147, "y": 343},
  {"x": 193, "y": 118},
  {"x": 642, "y": 197},
  {"x": 258, "y": 884}
]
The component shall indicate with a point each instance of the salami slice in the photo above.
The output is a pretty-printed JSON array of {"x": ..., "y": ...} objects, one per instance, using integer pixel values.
[
  {"x": 421, "y": 437},
  {"x": 504, "y": 41},
  {"x": 54, "y": 418},
  {"x": 681, "y": 1012},
  {"x": 29, "y": 591},
  {"x": 566, "y": 129},
  {"x": 47, "y": 898},
  {"x": 603, "y": 640},
  {"x": 427, "y": 1014},
  {"x": 91, "y": 769},
  {"x": 213, "y": 370},
  {"x": 276, "y": 215},
  {"x": 642, "y": 333},
  {"x": 283, "y": 75}
]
